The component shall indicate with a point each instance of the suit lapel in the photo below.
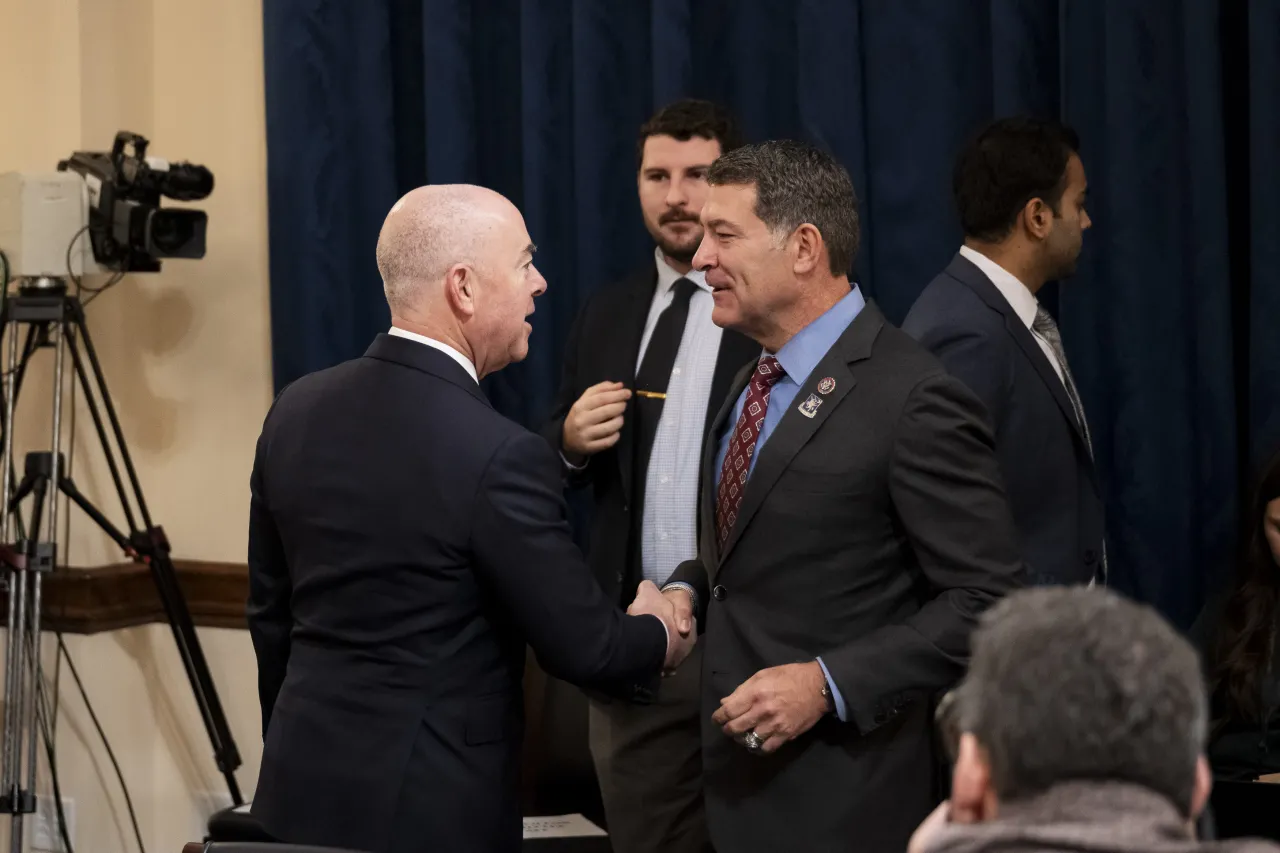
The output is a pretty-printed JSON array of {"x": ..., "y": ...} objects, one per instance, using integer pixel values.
[
  {"x": 795, "y": 429},
  {"x": 967, "y": 273},
  {"x": 633, "y": 311}
]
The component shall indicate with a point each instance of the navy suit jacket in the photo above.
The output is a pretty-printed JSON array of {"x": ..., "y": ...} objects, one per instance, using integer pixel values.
[
  {"x": 964, "y": 320},
  {"x": 405, "y": 541}
]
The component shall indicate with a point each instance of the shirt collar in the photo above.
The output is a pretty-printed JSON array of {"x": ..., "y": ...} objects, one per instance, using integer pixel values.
[
  {"x": 1022, "y": 300},
  {"x": 440, "y": 345},
  {"x": 800, "y": 355},
  {"x": 669, "y": 275}
]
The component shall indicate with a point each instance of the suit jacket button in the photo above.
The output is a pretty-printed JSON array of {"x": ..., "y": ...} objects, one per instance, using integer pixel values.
[
  {"x": 881, "y": 717},
  {"x": 1090, "y": 557},
  {"x": 619, "y": 576},
  {"x": 719, "y": 593}
]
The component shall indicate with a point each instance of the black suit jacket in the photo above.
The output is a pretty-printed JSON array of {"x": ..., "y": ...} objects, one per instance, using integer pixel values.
[
  {"x": 963, "y": 319},
  {"x": 873, "y": 535},
  {"x": 603, "y": 346},
  {"x": 405, "y": 541}
]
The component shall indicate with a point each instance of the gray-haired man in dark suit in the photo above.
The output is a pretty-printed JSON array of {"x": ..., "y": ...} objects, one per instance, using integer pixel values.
[{"x": 853, "y": 526}]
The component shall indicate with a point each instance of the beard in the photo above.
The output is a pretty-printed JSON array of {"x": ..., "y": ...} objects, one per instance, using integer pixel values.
[{"x": 680, "y": 249}]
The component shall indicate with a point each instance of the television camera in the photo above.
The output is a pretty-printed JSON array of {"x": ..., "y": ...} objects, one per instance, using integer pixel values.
[{"x": 115, "y": 198}]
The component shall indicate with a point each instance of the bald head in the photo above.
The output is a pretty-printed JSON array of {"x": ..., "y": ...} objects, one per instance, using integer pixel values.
[
  {"x": 457, "y": 266},
  {"x": 431, "y": 229}
]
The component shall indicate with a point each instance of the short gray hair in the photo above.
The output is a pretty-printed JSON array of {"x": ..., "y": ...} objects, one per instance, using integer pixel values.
[
  {"x": 1080, "y": 684},
  {"x": 797, "y": 183}
]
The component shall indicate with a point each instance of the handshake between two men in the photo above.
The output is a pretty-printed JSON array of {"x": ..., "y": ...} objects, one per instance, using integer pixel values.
[
  {"x": 774, "y": 706},
  {"x": 675, "y": 609}
]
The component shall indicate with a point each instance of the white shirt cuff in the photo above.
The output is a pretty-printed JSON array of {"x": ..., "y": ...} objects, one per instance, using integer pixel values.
[{"x": 693, "y": 593}]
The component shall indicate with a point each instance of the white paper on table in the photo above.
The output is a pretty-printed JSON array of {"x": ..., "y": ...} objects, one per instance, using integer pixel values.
[{"x": 561, "y": 826}]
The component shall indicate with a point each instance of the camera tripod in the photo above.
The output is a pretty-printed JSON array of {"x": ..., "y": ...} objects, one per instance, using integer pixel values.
[{"x": 54, "y": 318}]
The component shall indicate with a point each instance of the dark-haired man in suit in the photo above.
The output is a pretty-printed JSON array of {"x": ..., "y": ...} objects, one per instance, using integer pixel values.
[
  {"x": 645, "y": 370},
  {"x": 1020, "y": 190}
]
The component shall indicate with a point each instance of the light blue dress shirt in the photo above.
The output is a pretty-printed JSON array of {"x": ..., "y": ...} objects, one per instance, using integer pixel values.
[{"x": 798, "y": 357}]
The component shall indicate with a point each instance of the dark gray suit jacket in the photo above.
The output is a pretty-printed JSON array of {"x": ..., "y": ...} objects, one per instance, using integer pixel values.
[
  {"x": 964, "y": 320},
  {"x": 872, "y": 534}
]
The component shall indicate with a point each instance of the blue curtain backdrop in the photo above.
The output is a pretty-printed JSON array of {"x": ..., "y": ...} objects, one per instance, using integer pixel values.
[{"x": 1171, "y": 322}]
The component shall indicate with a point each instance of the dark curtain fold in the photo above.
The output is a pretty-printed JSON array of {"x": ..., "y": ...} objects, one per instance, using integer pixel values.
[
  {"x": 1147, "y": 320},
  {"x": 1170, "y": 321},
  {"x": 1262, "y": 183}
]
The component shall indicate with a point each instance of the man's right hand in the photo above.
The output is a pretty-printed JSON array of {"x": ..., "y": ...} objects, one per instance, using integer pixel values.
[
  {"x": 650, "y": 602},
  {"x": 594, "y": 421}
]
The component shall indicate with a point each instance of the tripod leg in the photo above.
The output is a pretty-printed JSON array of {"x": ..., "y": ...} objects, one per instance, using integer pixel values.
[
  {"x": 20, "y": 668},
  {"x": 43, "y": 557},
  {"x": 150, "y": 543},
  {"x": 39, "y": 487},
  {"x": 29, "y": 346},
  {"x": 24, "y": 489},
  {"x": 17, "y": 587},
  {"x": 77, "y": 497},
  {"x": 184, "y": 634},
  {"x": 18, "y": 371},
  {"x": 92, "y": 405}
]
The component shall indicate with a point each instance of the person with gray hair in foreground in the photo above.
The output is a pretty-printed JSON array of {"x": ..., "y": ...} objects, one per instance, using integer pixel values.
[
  {"x": 1080, "y": 726},
  {"x": 405, "y": 542}
]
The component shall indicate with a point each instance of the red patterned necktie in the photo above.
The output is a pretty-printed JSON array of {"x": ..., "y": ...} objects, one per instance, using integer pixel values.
[{"x": 742, "y": 445}]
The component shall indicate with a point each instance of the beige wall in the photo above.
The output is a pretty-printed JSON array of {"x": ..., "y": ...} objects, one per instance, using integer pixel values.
[{"x": 186, "y": 354}]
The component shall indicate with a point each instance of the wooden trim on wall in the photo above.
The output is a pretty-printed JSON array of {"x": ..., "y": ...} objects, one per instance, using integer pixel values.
[{"x": 124, "y": 595}]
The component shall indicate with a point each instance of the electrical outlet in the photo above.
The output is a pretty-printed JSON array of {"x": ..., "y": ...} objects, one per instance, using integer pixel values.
[{"x": 46, "y": 836}]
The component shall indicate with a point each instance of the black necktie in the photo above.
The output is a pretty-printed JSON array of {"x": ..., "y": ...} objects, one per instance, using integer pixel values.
[{"x": 655, "y": 373}]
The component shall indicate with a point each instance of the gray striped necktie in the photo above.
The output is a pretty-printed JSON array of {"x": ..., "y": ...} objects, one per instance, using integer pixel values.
[{"x": 1045, "y": 327}]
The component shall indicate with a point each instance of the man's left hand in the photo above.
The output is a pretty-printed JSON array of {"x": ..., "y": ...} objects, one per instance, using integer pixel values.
[{"x": 779, "y": 704}]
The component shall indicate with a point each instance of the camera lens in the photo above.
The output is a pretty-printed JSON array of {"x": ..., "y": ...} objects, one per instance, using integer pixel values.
[{"x": 176, "y": 234}]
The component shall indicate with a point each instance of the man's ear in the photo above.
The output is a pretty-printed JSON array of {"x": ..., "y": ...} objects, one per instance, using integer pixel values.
[
  {"x": 1038, "y": 218},
  {"x": 972, "y": 798},
  {"x": 460, "y": 290},
  {"x": 807, "y": 241},
  {"x": 1203, "y": 788}
]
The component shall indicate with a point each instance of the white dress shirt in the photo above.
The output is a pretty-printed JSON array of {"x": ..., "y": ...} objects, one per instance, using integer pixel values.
[
  {"x": 1022, "y": 300},
  {"x": 669, "y": 530},
  {"x": 440, "y": 345}
]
